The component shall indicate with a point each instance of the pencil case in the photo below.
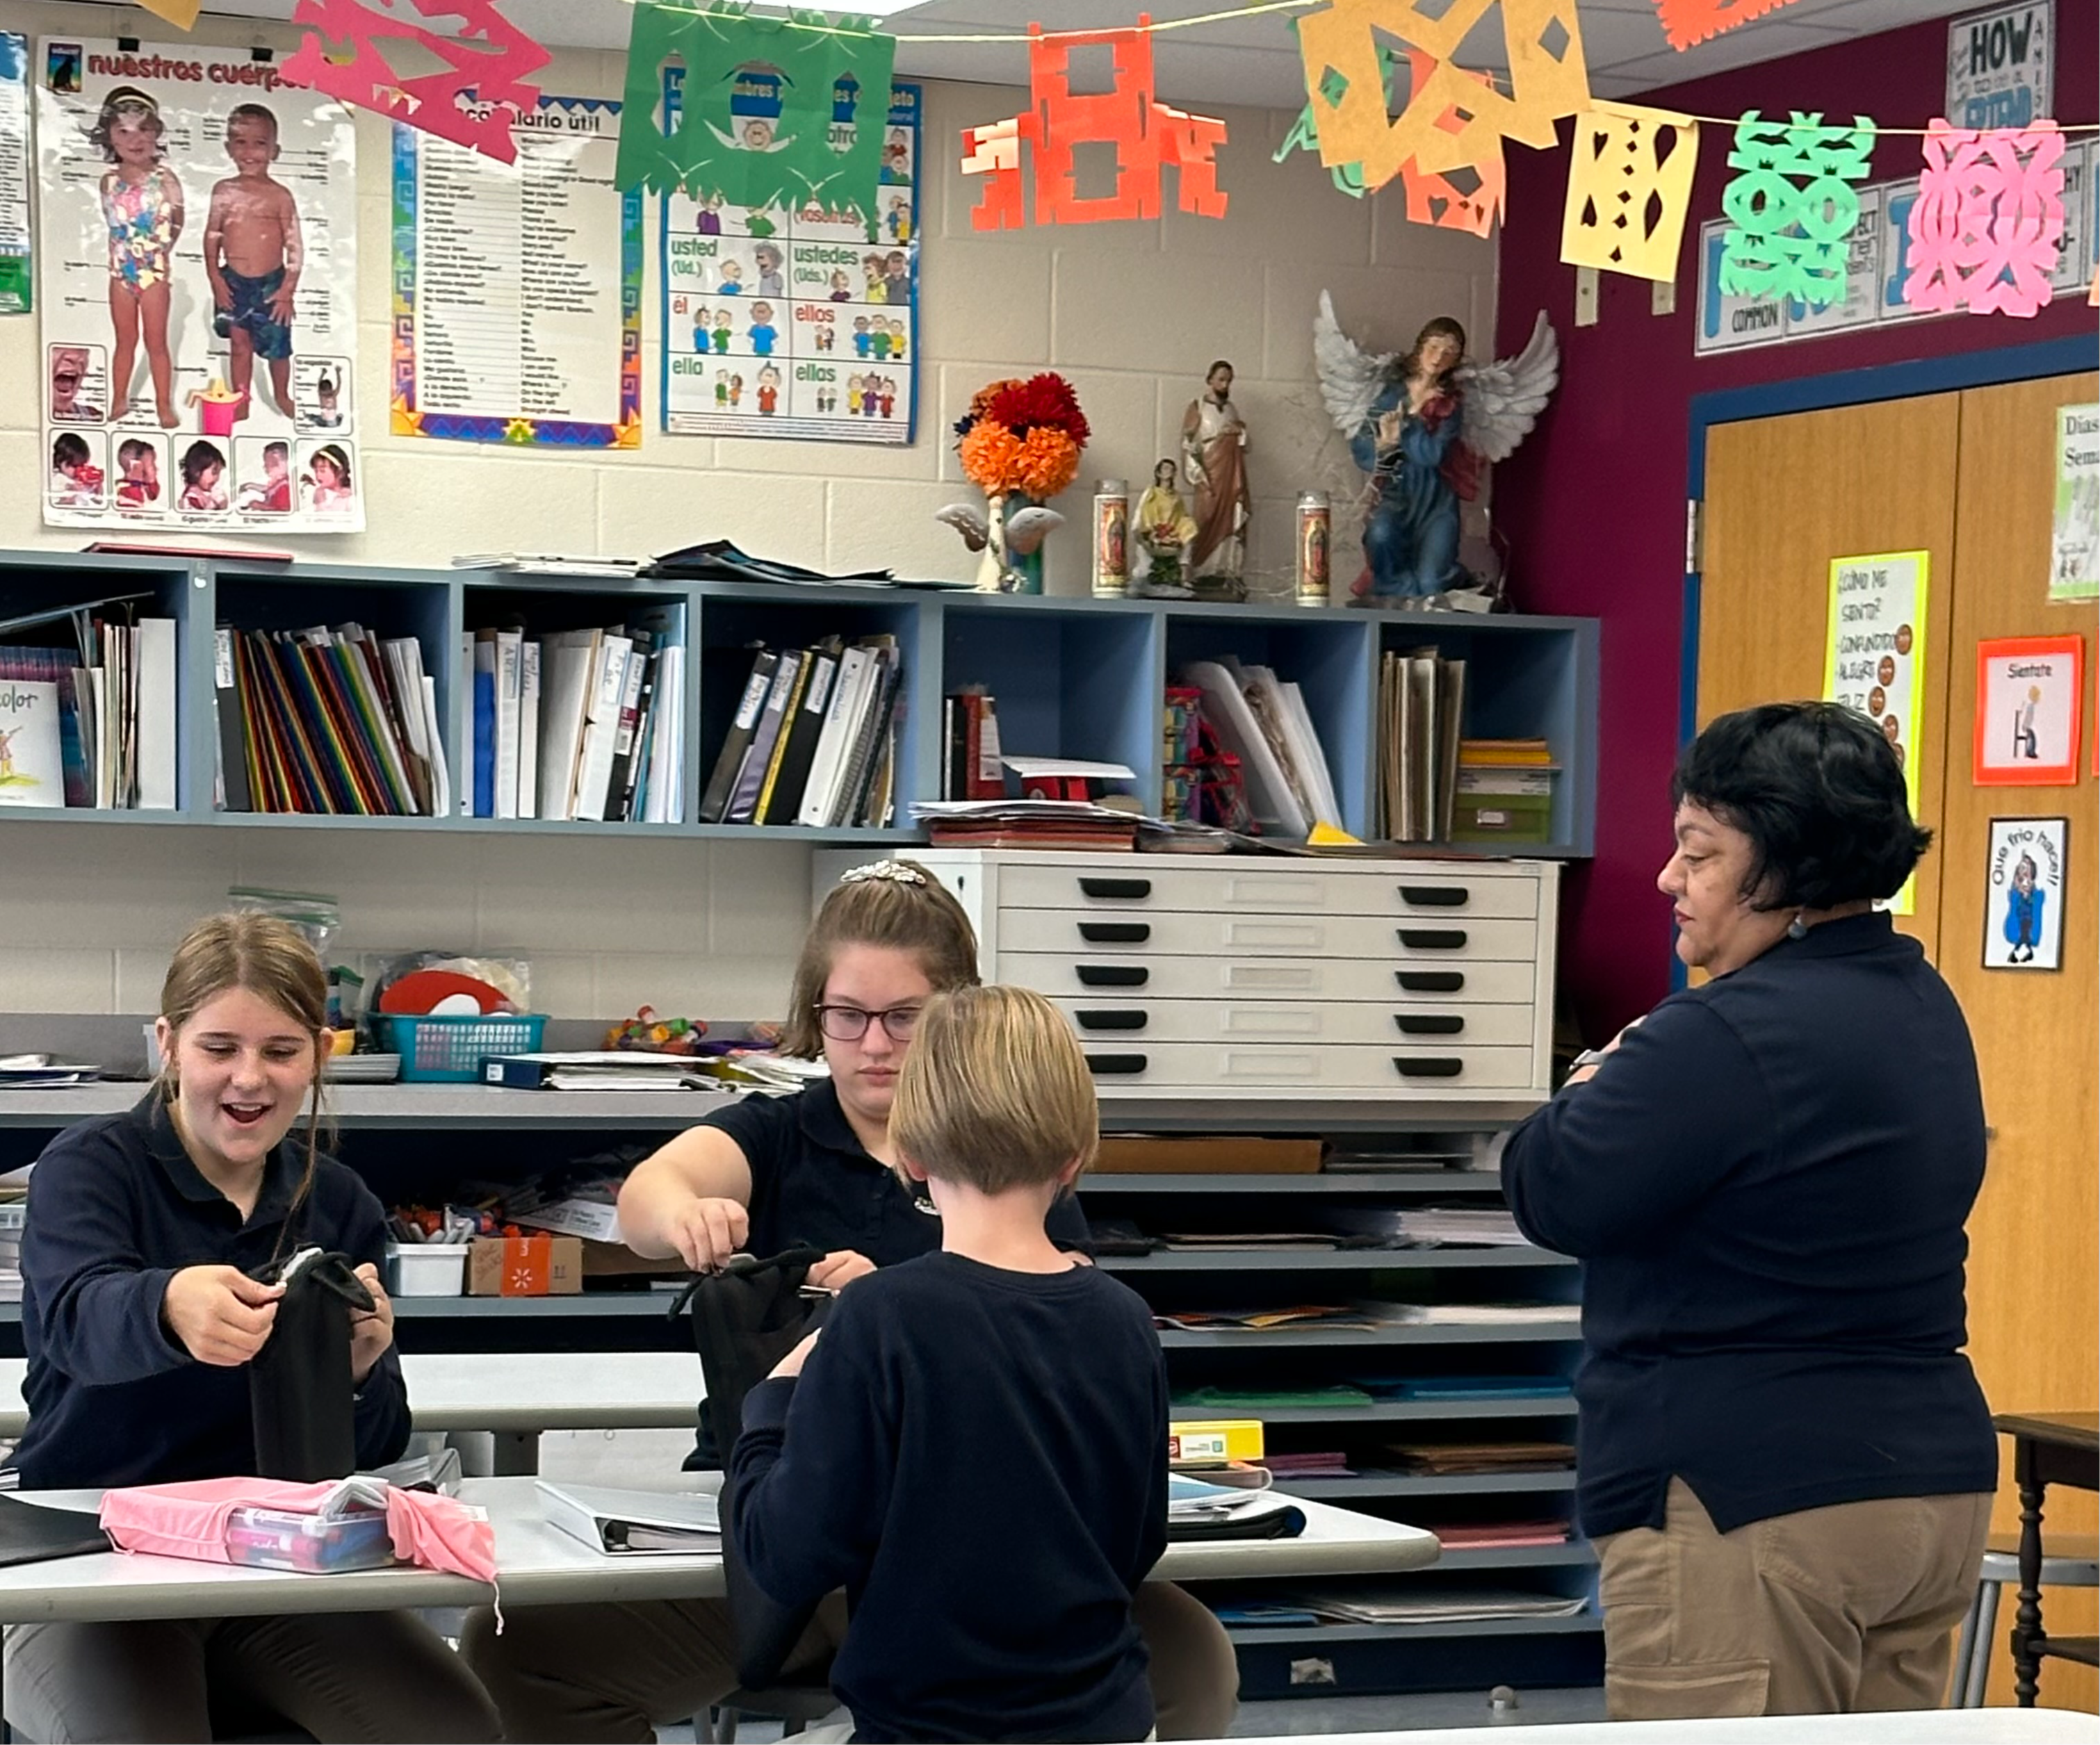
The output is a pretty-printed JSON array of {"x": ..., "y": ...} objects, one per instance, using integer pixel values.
[{"x": 312, "y": 1545}]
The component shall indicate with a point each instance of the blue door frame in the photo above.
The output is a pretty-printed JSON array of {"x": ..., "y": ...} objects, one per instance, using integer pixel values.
[{"x": 1858, "y": 387}]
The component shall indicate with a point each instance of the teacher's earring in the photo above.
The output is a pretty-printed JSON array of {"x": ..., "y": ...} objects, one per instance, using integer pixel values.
[{"x": 1797, "y": 928}]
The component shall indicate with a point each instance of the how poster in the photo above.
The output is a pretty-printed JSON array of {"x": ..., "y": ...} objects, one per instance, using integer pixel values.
[
  {"x": 802, "y": 323},
  {"x": 2023, "y": 903},
  {"x": 2001, "y": 66},
  {"x": 14, "y": 294},
  {"x": 516, "y": 288},
  {"x": 2074, "y": 546},
  {"x": 1875, "y": 655},
  {"x": 197, "y": 258},
  {"x": 2028, "y": 692}
]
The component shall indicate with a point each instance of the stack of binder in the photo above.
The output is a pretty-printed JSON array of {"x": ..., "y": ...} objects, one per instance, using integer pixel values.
[{"x": 813, "y": 739}]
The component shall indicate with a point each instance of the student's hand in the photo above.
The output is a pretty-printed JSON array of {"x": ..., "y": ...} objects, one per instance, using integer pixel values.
[
  {"x": 791, "y": 1365},
  {"x": 706, "y": 1232},
  {"x": 839, "y": 1268},
  {"x": 220, "y": 1315},
  {"x": 283, "y": 301},
  {"x": 370, "y": 1334}
]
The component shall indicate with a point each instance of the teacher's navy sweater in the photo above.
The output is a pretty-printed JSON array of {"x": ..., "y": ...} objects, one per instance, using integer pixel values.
[
  {"x": 1767, "y": 1184},
  {"x": 979, "y": 1457}
]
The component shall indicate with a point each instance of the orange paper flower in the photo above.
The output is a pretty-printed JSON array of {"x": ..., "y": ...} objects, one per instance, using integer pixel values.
[
  {"x": 991, "y": 454},
  {"x": 1048, "y": 461}
]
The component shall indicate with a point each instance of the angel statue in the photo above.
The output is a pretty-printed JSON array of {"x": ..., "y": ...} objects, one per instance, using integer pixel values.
[
  {"x": 1005, "y": 539},
  {"x": 1421, "y": 425}
]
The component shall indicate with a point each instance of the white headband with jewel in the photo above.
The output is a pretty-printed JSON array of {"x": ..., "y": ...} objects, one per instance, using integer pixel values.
[{"x": 895, "y": 871}]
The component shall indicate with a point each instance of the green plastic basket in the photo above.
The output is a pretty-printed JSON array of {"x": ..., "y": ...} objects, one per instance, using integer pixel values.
[{"x": 436, "y": 1050}]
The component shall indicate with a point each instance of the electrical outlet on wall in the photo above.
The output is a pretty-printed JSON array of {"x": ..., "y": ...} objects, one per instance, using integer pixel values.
[{"x": 1586, "y": 297}]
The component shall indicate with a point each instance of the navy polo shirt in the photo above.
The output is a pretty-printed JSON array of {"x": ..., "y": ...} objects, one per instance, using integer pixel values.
[
  {"x": 1766, "y": 1184},
  {"x": 116, "y": 1208},
  {"x": 812, "y": 1181}
]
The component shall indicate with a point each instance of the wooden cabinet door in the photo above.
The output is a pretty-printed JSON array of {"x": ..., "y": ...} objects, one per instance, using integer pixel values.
[
  {"x": 1783, "y": 496},
  {"x": 2034, "y": 1306}
]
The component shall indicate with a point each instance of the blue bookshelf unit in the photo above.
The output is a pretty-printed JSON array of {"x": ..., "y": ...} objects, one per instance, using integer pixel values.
[{"x": 1076, "y": 678}]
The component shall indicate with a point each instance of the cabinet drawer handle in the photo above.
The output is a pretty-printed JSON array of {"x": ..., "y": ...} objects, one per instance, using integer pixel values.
[
  {"x": 1428, "y": 1023},
  {"x": 1103, "y": 1065},
  {"x": 1110, "y": 1020},
  {"x": 1124, "y": 932},
  {"x": 1435, "y": 896},
  {"x": 1431, "y": 980},
  {"x": 1428, "y": 1066},
  {"x": 1131, "y": 887},
  {"x": 1112, "y": 975},
  {"x": 1433, "y": 938}
]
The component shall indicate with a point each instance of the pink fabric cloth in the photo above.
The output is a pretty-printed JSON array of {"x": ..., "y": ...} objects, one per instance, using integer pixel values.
[{"x": 189, "y": 1521}]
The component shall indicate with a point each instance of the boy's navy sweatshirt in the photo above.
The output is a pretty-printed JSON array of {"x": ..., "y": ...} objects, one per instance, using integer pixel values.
[{"x": 979, "y": 1457}]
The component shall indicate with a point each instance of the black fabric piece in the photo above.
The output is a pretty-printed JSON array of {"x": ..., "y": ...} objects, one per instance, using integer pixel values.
[
  {"x": 29, "y": 1534},
  {"x": 299, "y": 1385},
  {"x": 746, "y": 1318}
]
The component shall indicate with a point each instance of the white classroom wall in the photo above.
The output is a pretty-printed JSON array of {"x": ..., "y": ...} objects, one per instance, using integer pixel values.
[{"x": 1132, "y": 313}]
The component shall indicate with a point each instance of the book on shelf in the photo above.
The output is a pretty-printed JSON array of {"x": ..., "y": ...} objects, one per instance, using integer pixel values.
[
  {"x": 320, "y": 720},
  {"x": 573, "y": 721},
  {"x": 1421, "y": 707},
  {"x": 812, "y": 742},
  {"x": 32, "y": 763},
  {"x": 112, "y": 705},
  {"x": 971, "y": 761}
]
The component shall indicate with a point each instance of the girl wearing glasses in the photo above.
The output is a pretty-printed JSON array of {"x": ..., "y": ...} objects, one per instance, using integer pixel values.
[{"x": 759, "y": 1176}]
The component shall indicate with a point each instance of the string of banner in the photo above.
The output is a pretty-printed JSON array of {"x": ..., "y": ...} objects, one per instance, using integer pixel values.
[{"x": 768, "y": 107}]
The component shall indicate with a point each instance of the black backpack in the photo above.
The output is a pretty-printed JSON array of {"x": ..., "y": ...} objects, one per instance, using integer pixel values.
[{"x": 746, "y": 1318}]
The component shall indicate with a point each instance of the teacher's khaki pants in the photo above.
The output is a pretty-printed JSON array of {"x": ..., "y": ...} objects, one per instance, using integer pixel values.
[
  {"x": 1826, "y": 1611},
  {"x": 608, "y": 1674}
]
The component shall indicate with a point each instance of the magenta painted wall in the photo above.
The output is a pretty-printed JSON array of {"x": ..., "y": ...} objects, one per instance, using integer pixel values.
[{"x": 1594, "y": 503}]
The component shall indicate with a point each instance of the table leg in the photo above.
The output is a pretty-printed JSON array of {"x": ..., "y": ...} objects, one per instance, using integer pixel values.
[
  {"x": 513, "y": 1453},
  {"x": 2027, "y": 1635}
]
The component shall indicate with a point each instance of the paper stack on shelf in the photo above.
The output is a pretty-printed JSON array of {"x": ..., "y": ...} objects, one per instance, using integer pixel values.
[
  {"x": 1025, "y": 824},
  {"x": 1505, "y": 790},
  {"x": 1263, "y": 721},
  {"x": 1421, "y": 706},
  {"x": 14, "y": 1207},
  {"x": 1474, "y": 1314},
  {"x": 1417, "y": 1604},
  {"x": 547, "y": 563},
  {"x": 1434, "y": 1226}
]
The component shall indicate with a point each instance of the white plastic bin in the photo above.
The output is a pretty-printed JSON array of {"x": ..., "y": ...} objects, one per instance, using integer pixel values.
[{"x": 427, "y": 1269}]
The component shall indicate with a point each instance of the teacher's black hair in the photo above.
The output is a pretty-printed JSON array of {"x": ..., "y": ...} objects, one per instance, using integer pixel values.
[{"x": 1819, "y": 790}]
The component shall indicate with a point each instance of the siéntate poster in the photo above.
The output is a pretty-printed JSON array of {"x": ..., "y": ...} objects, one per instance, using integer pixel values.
[
  {"x": 197, "y": 258},
  {"x": 796, "y": 323},
  {"x": 517, "y": 287}
]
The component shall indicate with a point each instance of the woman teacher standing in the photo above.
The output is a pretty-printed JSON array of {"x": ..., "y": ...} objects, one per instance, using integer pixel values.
[
  {"x": 1786, "y": 1463},
  {"x": 760, "y": 1176}
]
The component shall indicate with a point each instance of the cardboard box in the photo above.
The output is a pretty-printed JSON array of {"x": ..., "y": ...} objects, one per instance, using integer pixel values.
[
  {"x": 617, "y": 1260},
  {"x": 1134, "y": 1154},
  {"x": 524, "y": 1266},
  {"x": 1212, "y": 1442}
]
